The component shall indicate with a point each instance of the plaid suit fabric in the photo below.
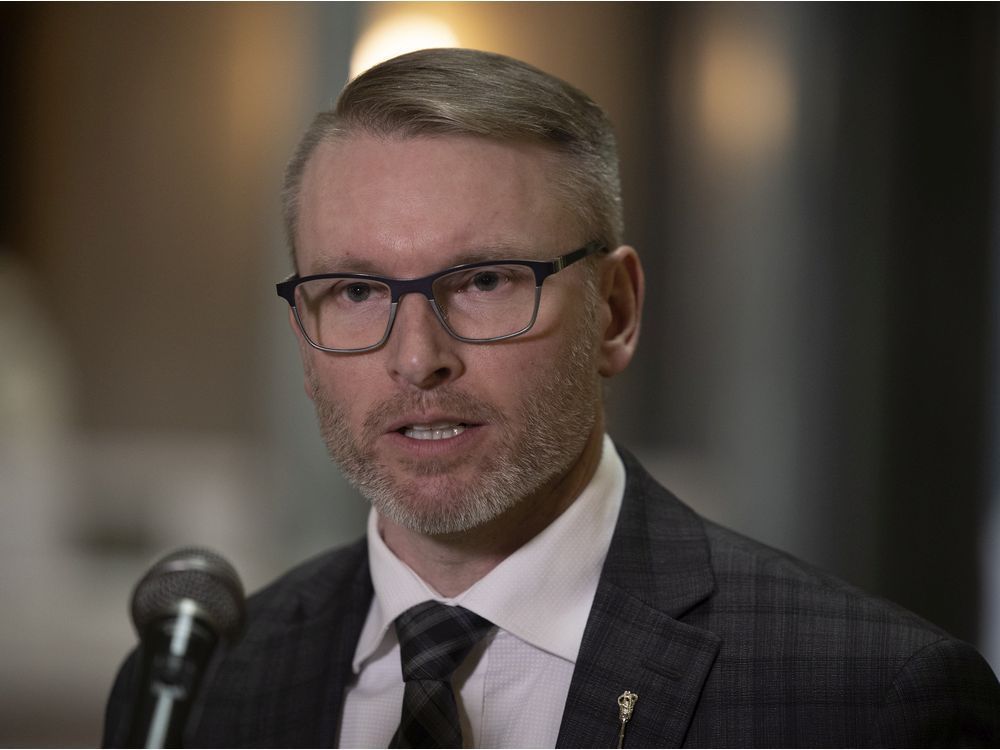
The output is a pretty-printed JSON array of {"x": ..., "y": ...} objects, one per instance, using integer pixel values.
[
  {"x": 434, "y": 640},
  {"x": 728, "y": 643}
]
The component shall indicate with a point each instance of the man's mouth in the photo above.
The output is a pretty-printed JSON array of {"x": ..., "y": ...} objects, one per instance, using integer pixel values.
[{"x": 437, "y": 431}]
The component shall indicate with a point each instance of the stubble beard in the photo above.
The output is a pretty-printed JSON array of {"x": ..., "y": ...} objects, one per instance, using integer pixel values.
[{"x": 558, "y": 414}]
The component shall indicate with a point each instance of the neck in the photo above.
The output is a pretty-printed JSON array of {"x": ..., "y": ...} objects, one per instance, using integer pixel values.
[{"x": 451, "y": 563}]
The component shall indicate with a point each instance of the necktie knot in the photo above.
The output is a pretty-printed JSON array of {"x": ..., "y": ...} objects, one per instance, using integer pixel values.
[{"x": 435, "y": 638}]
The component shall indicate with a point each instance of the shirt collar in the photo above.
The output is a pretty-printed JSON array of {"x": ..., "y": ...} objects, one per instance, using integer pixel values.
[{"x": 556, "y": 572}]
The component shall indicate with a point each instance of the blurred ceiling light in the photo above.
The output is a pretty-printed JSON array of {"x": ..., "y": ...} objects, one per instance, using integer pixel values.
[
  {"x": 746, "y": 94},
  {"x": 395, "y": 35}
]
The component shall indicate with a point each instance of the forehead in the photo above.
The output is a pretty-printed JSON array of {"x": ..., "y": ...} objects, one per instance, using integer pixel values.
[{"x": 412, "y": 205}]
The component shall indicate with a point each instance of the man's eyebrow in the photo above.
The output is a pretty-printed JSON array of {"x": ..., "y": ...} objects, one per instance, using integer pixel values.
[
  {"x": 361, "y": 265},
  {"x": 353, "y": 264},
  {"x": 492, "y": 252}
]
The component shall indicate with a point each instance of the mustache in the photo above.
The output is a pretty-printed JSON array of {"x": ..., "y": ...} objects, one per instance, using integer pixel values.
[{"x": 444, "y": 399}]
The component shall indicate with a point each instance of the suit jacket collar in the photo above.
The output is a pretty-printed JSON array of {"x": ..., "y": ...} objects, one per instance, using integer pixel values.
[{"x": 658, "y": 568}]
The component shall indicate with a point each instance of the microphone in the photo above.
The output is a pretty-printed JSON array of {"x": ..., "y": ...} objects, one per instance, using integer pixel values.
[{"x": 187, "y": 602}]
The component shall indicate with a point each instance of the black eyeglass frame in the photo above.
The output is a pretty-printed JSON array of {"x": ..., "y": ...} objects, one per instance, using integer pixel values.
[{"x": 425, "y": 286}]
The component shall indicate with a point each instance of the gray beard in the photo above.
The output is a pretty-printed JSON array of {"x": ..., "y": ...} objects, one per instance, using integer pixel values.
[{"x": 558, "y": 415}]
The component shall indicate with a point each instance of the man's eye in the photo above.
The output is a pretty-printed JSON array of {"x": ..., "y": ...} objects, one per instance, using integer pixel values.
[
  {"x": 486, "y": 281},
  {"x": 358, "y": 292}
]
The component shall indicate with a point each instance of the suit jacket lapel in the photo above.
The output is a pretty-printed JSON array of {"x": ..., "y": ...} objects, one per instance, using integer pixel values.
[
  {"x": 341, "y": 623},
  {"x": 657, "y": 569},
  {"x": 305, "y": 662}
]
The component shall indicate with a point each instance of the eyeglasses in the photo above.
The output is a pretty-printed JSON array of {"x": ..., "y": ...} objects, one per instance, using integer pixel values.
[{"x": 476, "y": 302}]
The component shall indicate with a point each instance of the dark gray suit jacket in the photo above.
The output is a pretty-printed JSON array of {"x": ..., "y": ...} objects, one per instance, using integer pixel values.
[{"x": 727, "y": 643}]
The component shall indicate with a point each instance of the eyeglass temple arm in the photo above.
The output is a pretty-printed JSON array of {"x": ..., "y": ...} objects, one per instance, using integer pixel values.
[{"x": 570, "y": 258}]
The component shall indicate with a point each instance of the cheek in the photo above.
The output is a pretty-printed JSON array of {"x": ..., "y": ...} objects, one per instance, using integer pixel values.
[
  {"x": 329, "y": 382},
  {"x": 513, "y": 372}
]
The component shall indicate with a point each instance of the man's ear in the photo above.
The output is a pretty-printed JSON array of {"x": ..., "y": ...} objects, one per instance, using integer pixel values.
[{"x": 623, "y": 286}]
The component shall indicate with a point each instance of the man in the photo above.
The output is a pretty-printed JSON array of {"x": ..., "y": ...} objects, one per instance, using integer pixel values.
[{"x": 461, "y": 291}]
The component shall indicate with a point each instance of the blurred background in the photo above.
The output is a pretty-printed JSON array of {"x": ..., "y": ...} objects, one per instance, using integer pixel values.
[{"x": 813, "y": 188}]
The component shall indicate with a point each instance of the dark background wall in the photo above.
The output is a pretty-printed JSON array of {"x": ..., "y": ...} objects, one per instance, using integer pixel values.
[{"x": 826, "y": 304}]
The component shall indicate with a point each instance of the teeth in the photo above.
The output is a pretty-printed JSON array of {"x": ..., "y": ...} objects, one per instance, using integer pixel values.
[{"x": 440, "y": 431}]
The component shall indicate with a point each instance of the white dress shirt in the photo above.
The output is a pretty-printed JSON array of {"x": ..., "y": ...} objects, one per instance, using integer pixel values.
[{"x": 512, "y": 688}]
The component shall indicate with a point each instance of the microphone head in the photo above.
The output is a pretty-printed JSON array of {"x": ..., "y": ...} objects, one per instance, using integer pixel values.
[{"x": 195, "y": 574}]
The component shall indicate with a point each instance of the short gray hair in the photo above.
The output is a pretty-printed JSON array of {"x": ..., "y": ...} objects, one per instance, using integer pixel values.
[{"x": 469, "y": 92}]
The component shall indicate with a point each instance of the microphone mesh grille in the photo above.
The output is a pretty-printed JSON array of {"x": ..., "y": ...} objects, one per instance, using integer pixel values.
[{"x": 190, "y": 573}]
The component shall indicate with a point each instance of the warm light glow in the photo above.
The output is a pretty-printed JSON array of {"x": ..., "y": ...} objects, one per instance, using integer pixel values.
[
  {"x": 396, "y": 35},
  {"x": 747, "y": 98}
]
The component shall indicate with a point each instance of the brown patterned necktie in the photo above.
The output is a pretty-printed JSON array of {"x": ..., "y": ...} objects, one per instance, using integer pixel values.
[{"x": 433, "y": 640}]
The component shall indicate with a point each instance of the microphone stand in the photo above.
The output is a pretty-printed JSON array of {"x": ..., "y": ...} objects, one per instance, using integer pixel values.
[{"x": 176, "y": 651}]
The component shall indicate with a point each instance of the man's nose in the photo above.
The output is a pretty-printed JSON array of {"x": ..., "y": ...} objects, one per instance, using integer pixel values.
[{"x": 420, "y": 352}]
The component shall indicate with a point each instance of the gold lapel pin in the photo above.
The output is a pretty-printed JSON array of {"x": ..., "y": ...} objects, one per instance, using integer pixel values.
[{"x": 626, "y": 702}]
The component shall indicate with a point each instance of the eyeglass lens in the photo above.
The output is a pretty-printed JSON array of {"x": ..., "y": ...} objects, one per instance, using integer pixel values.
[{"x": 479, "y": 303}]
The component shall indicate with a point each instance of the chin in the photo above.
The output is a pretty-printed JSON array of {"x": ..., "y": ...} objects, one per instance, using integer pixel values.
[{"x": 441, "y": 507}]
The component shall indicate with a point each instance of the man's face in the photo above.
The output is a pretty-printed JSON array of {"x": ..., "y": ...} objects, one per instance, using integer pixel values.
[{"x": 444, "y": 436}]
